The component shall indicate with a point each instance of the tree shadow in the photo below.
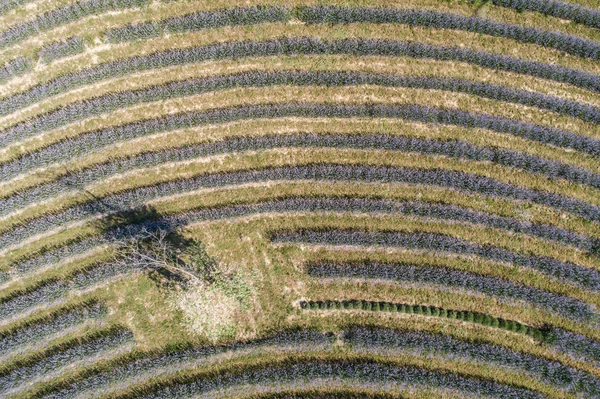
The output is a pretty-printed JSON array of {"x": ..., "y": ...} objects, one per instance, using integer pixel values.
[
  {"x": 143, "y": 229},
  {"x": 153, "y": 241}
]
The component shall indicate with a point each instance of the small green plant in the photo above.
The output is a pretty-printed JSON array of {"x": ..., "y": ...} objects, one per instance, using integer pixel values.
[
  {"x": 479, "y": 3},
  {"x": 522, "y": 329}
]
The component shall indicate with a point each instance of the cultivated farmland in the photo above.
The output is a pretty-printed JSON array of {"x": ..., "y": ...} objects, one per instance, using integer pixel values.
[{"x": 299, "y": 199}]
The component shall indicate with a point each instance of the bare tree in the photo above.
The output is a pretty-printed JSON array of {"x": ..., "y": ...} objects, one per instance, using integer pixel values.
[{"x": 152, "y": 250}]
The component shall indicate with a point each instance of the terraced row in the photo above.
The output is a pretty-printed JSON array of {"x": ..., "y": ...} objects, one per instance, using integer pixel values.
[
  {"x": 17, "y": 377},
  {"x": 353, "y": 260},
  {"x": 265, "y": 142},
  {"x": 561, "y": 10},
  {"x": 310, "y": 14},
  {"x": 50, "y": 293},
  {"x": 453, "y": 280},
  {"x": 128, "y": 374},
  {"x": 105, "y": 138},
  {"x": 361, "y": 141},
  {"x": 337, "y": 172},
  {"x": 61, "y": 16},
  {"x": 340, "y": 62},
  {"x": 41, "y": 331},
  {"x": 113, "y": 101},
  {"x": 294, "y": 46}
]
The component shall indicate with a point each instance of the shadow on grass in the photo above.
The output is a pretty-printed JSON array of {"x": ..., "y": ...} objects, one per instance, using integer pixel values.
[{"x": 154, "y": 242}]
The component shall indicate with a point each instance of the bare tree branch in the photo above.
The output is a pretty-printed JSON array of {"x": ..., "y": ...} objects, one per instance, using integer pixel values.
[{"x": 151, "y": 250}]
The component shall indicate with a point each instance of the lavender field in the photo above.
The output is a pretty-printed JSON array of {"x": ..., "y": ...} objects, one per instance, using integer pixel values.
[{"x": 299, "y": 199}]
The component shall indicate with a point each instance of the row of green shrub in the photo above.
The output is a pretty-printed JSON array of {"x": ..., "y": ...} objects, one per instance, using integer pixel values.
[{"x": 467, "y": 316}]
